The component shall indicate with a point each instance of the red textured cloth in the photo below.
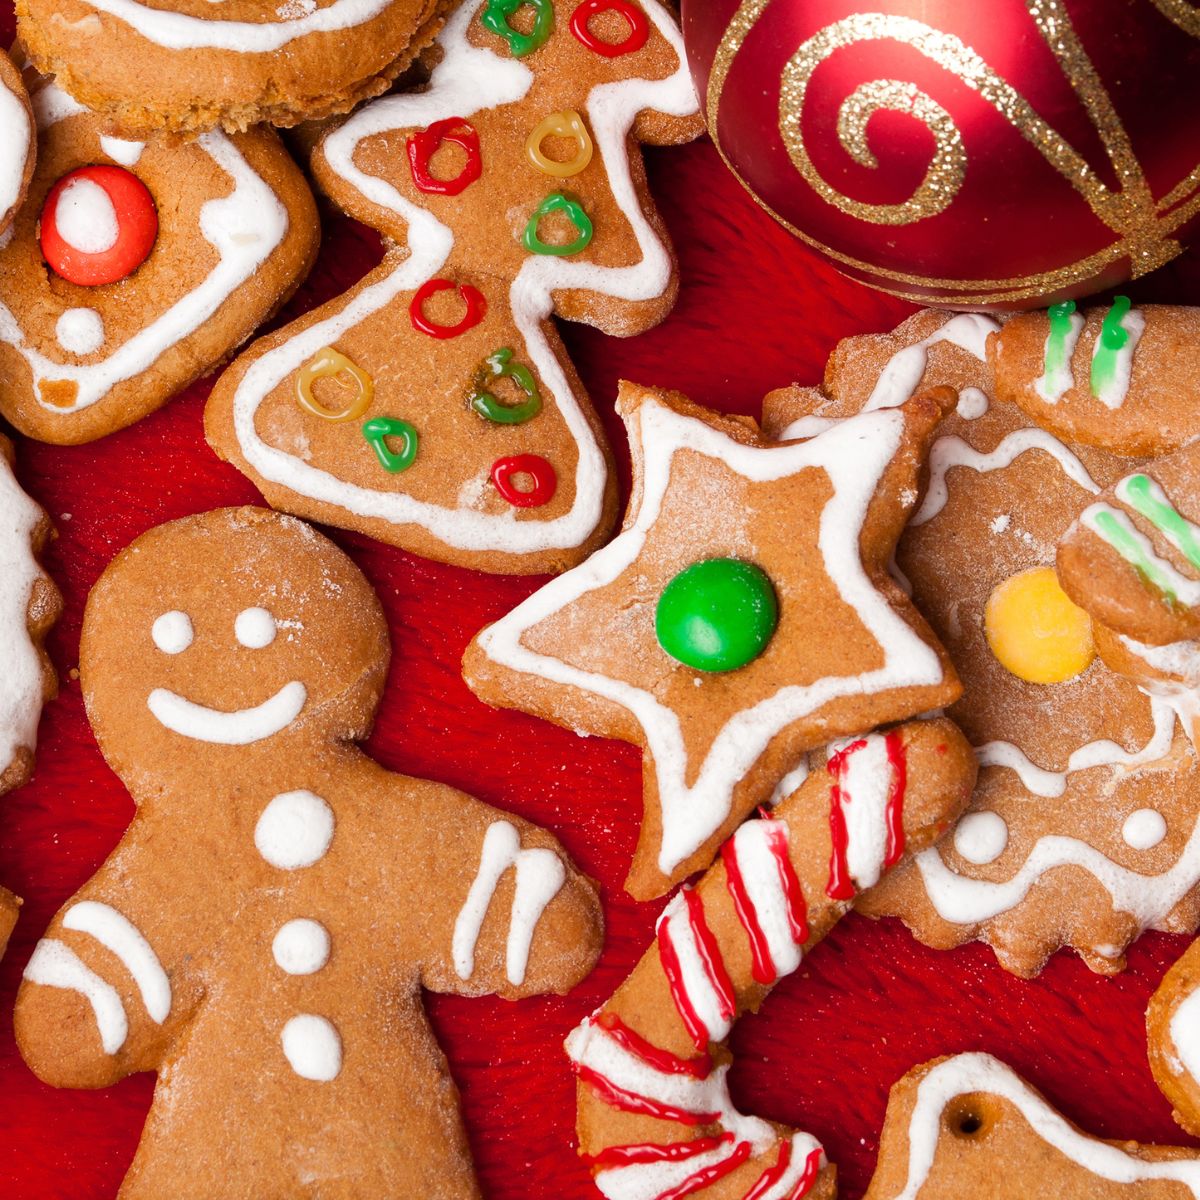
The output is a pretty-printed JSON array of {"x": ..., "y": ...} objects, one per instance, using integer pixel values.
[{"x": 756, "y": 311}]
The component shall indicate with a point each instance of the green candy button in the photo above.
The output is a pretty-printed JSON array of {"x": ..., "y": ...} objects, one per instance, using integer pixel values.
[{"x": 717, "y": 615}]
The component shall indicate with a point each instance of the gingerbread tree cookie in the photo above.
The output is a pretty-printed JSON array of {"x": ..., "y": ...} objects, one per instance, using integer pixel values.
[
  {"x": 18, "y": 143},
  {"x": 135, "y": 267},
  {"x": 969, "y": 1126},
  {"x": 433, "y": 406},
  {"x": 744, "y": 616},
  {"x": 262, "y": 933},
  {"x": 1085, "y": 825},
  {"x": 655, "y": 1116}
]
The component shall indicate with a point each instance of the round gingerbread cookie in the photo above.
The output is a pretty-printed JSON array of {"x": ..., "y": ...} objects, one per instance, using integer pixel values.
[
  {"x": 135, "y": 267},
  {"x": 18, "y": 144},
  {"x": 1083, "y": 829},
  {"x": 193, "y": 65}
]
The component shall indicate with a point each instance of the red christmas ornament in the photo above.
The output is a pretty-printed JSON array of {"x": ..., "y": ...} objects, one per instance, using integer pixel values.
[
  {"x": 999, "y": 155},
  {"x": 98, "y": 225}
]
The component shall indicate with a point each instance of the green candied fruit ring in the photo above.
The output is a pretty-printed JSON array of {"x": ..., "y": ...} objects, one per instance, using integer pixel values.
[
  {"x": 499, "y": 365},
  {"x": 495, "y": 19},
  {"x": 378, "y": 429},
  {"x": 558, "y": 202}
]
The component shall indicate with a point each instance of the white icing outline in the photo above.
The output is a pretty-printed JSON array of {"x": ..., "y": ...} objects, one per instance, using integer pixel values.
[
  {"x": 1185, "y": 1035},
  {"x": 855, "y": 453},
  {"x": 238, "y": 728},
  {"x": 468, "y": 79},
  {"x": 15, "y": 146}
]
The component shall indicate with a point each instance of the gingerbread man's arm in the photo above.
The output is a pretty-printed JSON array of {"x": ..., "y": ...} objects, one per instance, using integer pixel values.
[{"x": 112, "y": 981}]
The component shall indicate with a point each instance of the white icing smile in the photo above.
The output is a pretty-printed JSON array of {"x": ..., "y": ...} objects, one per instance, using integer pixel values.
[{"x": 238, "y": 728}]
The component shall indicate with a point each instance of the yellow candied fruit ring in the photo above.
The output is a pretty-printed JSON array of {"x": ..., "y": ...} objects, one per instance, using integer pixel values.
[
  {"x": 567, "y": 124},
  {"x": 1035, "y": 630},
  {"x": 325, "y": 364}
]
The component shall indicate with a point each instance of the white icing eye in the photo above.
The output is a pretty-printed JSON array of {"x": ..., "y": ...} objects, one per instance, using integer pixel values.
[
  {"x": 172, "y": 632},
  {"x": 1144, "y": 829},
  {"x": 254, "y": 628}
]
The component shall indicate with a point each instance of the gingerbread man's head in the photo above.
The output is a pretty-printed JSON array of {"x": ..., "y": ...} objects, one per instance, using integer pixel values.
[{"x": 219, "y": 637}]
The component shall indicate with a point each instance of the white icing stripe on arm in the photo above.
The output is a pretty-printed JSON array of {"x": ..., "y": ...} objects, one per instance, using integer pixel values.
[
  {"x": 14, "y": 148},
  {"x": 239, "y": 728},
  {"x": 118, "y": 935},
  {"x": 54, "y": 964},
  {"x": 981, "y": 1074}
]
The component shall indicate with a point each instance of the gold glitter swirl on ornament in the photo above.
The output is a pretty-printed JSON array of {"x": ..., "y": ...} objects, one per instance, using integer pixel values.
[{"x": 1181, "y": 13}]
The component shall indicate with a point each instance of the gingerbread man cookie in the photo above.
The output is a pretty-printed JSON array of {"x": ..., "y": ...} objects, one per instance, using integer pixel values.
[
  {"x": 195, "y": 65},
  {"x": 970, "y": 1126},
  {"x": 262, "y": 933},
  {"x": 18, "y": 143},
  {"x": 744, "y": 616},
  {"x": 1085, "y": 825},
  {"x": 655, "y": 1116},
  {"x": 1173, "y": 1038},
  {"x": 433, "y": 406},
  {"x": 136, "y": 267}
]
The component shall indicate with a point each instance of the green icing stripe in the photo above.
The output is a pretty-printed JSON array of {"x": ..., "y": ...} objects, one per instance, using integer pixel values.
[
  {"x": 1056, "y": 344},
  {"x": 1113, "y": 339},
  {"x": 1145, "y": 497},
  {"x": 1129, "y": 545}
]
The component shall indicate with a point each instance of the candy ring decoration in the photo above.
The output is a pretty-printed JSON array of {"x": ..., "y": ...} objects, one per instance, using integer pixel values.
[
  {"x": 558, "y": 202},
  {"x": 564, "y": 125},
  {"x": 423, "y": 145},
  {"x": 717, "y": 615},
  {"x": 1035, "y": 631},
  {"x": 499, "y": 365},
  {"x": 472, "y": 298},
  {"x": 98, "y": 225},
  {"x": 326, "y": 364},
  {"x": 545, "y": 480},
  {"x": 496, "y": 17},
  {"x": 639, "y": 28},
  {"x": 378, "y": 429}
]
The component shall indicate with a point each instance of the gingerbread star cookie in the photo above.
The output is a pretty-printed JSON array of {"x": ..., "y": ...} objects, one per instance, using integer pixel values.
[
  {"x": 1085, "y": 824},
  {"x": 970, "y": 1126},
  {"x": 655, "y": 1116},
  {"x": 263, "y": 932},
  {"x": 744, "y": 615},
  {"x": 136, "y": 267},
  {"x": 195, "y": 65},
  {"x": 18, "y": 143},
  {"x": 433, "y": 405}
]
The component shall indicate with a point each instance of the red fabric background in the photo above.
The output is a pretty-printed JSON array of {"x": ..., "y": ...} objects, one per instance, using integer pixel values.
[{"x": 757, "y": 310}]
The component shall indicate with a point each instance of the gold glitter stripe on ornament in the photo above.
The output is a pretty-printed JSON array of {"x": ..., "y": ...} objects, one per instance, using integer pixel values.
[{"x": 1181, "y": 13}]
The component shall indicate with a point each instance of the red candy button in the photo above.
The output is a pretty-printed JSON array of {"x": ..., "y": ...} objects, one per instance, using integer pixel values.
[
  {"x": 472, "y": 298},
  {"x": 639, "y": 28},
  {"x": 424, "y": 145},
  {"x": 545, "y": 481},
  {"x": 99, "y": 225}
]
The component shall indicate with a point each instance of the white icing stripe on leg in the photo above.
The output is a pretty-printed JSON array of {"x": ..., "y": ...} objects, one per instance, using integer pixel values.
[
  {"x": 118, "y": 935},
  {"x": 54, "y": 964}
]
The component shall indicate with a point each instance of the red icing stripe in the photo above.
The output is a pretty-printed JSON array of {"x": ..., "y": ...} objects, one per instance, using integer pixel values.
[
  {"x": 812, "y": 1168},
  {"x": 709, "y": 1175},
  {"x": 651, "y": 1055},
  {"x": 762, "y": 965},
  {"x": 898, "y": 761},
  {"x": 772, "y": 1175},
  {"x": 710, "y": 956},
  {"x": 626, "y": 1156},
  {"x": 711, "y": 962},
  {"x": 793, "y": 893},
  {"x": 840, "y": 885},
  {"x": 669, "y": 957},
  {"x": 618, "y": 1097}
]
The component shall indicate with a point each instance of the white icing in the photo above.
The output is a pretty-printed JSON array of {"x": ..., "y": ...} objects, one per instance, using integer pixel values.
[
  {"x": 1051, "y": 385},
  {"x": 540, "y": 877},
  {"x": 54, "y": 964},
  {"x": 1144, "y": 829},
  {"x": 120, "y": 151},
  {"x": 1185, "y": 1035},
  {"x": 254, "y": 628},
  {"x": 1158, "y": 496},
  {"x": 950, "y": 452},
  {"x": 238, "y": 728},
  {"x": 80, "y": 331},
  {"x": 85, "y": 217},
  {"x": 1112, "y": 395},
  {"x": 789, "y": 783},
  {"x": 294, "y": 830},
  {"x": 21, "y": 681},
  {"x": 865, "y": 782},
  {"x": 764, "y": 887},
  {"x": 972, "y": 404},
  {"x": 244, "y": 227},
  {"x": 855, "y": 453},
  {"x": 312, "y": 1045},
  {"x": 1187, "y": 591},
  {"x": 675, "y": 925},
  {"x": 117, "y": 934},
  {"x": 172, "y": 632},
  {"x": 467, "y": 80},
  {"x": 980, "y": 837},
  {"x": 16, "y": 142},
  {"x": 806, "y": 427},
  {"x": 1175, "y": 658},
  {"x": 301, "y": 947},
  {"x": 981, "y": 1074}
]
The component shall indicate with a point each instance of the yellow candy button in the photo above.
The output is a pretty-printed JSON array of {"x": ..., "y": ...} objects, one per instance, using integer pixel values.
[{"x": 1035, "y": 630}]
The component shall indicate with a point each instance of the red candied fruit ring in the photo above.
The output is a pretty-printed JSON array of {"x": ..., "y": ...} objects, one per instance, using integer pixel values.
[
  {"x": 639, "y": 28},
  {"x": 136, "y": 228},
  {"x": 545, "y": 480}
]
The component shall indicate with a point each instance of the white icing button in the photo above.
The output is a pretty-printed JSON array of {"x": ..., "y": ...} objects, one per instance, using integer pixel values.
[
  {"x": 295, "y": 830},
  {"x": 80, "y": 331},
  {"x": 1144, "y": 829},
  {"x": 972, "y": 404},
  {"x": 313, "y": 1047},
  {"x": 254, "y": 628},
  {"x": 85, "y": 217},
  {"x": 172, "y": 632},
  {"x": 301, "y": 947},
  {"x": 980, "y": 837}
]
